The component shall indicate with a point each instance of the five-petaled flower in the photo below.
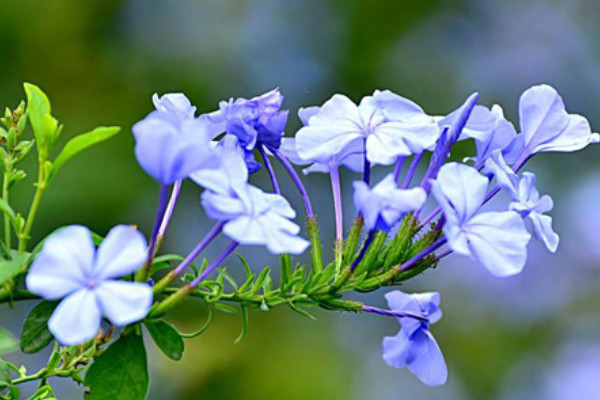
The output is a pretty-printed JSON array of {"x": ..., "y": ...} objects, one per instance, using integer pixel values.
[
  {"x": 497, "y": 240},
  {"x": 414, "y": 346},
  {"x": 70, "y": 268}
]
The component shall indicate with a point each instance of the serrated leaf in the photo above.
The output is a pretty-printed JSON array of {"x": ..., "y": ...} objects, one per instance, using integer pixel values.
[
  {"x": 10, "y": 268},
  {"x": 120, "y": 373},
  {"x": 166, "y": 338},
  {"x": 35, "y": 334},
  {"x": 80, "y": 143},
  {"x": 8, "y": 344}
]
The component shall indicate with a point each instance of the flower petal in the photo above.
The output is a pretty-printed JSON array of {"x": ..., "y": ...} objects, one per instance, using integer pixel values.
[
  {"x": 427, "y": 361},
  {"x": 76, "y": 319},
  {"x": 124, "y": 302},
  {"x": 64, "y": 264},
  {"x": 542, "y": 228},
  {"x": 122, "y": 252},
  {"x": 396, "y": 349}
]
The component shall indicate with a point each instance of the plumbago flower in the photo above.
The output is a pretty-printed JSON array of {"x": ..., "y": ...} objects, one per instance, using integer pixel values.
[
  {"x": 497, "y": 240},
  {"x": 526, "y": 199},
  {"x": 254, "y": 122},
  {"x": 133, "y": 285},
  {"x": 414, "y": 346},
  {"x": 69, "y": 267},
  {"x": 170, "y": 142}
]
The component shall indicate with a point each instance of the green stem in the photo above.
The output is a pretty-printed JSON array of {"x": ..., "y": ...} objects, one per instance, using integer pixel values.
[
  {"x": 315, "y": 244},
  {"x": 5, "y": 195},
  {"x": 39, "y": 191}
]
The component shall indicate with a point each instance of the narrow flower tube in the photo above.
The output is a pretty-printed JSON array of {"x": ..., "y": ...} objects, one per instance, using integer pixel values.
[
  {"x": 169, "y": 211},
  {"x": 337, "y": 205},
  {"x": 297, "y": 181},
  {"x": 214, "y": 265},
  {"x": 270, "y": 170}
]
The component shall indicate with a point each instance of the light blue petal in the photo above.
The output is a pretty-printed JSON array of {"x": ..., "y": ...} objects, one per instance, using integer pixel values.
[
  {"x": 498, "y": 241},
  {"x": 64, "y": 264},
  {"x": 124, "y": 302},
  {"x": 76, "y": 319},
  {"x": 542, "y": 228},
  {"x": 396, "y": 349},
  {"x": 122, "y": 252},
  {"x": 463, "y": 187},
  {"x": 176, "y": 104},
  {"x": 396, "y": 107},
  {"x": 427, "y": 361},
  {"x": 506, "y": 179},
  {"x": 306, "y": 113}
]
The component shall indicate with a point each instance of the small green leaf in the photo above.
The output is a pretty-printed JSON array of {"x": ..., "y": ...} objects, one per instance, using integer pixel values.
[
  {"x": 244, "y": 325},
  {"x": 166, "y": 338},
  {"x": 80, "y": 143},
  {"x": 6, "y": 381},
  {"x": 120, "y": 373},
  {"x": 10, "y": 268},
  {"x": 8, "y": 344},
  {"x": 225, "y": 308},
  {"x": 44, "y": 393},
  {"x": 45, "y": 127},
  {"x": 35, "y": 334},
  {"x": 245, "y": 264}
]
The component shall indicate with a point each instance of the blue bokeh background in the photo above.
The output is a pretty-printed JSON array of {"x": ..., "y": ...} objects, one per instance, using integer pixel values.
[{"x": 531, "y": 336}]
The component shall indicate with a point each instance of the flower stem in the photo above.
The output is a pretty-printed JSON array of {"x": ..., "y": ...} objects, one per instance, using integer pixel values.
[
  {"x": 398, "y": 167},
  {"x": 297, "y": 181},
  {"x": 215, "y": 264},
  {"x": 168, "y": 212},
  {"x": 5, "y": 195},
  {"x": 35, "y": 204},
  {"x": 363, "y": 250},
  {"x": 142, "y": 274},
  {"x": 396, "y": 314},
  {"x": 202, "y": 244},
  {"x": 315, "y": 243},
  {"x": 334, "y": 172},
  {"x": 412, "y": 168},
  {"x": 270, "y": 170},
  {"x": 427, "y": 251}
]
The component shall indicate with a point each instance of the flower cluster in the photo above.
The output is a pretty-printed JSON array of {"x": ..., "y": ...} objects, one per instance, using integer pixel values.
[{"x": 217, "y": 151}]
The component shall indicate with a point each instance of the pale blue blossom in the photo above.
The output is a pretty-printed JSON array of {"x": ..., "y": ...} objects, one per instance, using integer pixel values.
[
  {"x": 526, "y": 199},
  {"x": 386, "y": 124},
  {"x": 170, "y": 143},
  {"x": 497, "y": 240},
  {"x": 384, "y": 205},
  {"x": 547, "y": 126},
  {"x": 251, "y": 216},
  {"x": 414, "y": 346},
  {"x": 69, "y": 268}
]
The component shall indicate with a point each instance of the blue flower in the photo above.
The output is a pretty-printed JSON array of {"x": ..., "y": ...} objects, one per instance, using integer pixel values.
[
  {"x": 69, "y": 267},
  {"x": 384, "y": 204},
  {"x": 490, "y": 130},
  {"x": 497, "y": 240},
  {"x": 170, "y": 142},
  {"x": 546, "y": 125},
  {"x": 414, "y": 346},
  {"x": 252, "y": 216},
  {"x": 526, "y": 199},
  {"x": 387, "y": 124}
]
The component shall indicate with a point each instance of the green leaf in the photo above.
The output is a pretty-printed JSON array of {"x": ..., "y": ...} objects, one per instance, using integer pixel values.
[
  {"x": 35, "y": 334},
  {"x": 10, "y": 268},
  {"x": 244, "y": 325},
  {"x": 6, "y": 381},
  {"x": 44, "y": 393},
  {"x": 45, "y": 127},
  {"x": 80, "y": 143},
  {"x": 166, "y": 338},
  {"x": 8, "y": 344},
  {"x": 225, "y": 308},
  {"x": 120, "y": 373}
]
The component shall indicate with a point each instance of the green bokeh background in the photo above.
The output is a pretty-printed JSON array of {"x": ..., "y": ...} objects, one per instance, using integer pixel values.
[{"x": 100, "y": 62}]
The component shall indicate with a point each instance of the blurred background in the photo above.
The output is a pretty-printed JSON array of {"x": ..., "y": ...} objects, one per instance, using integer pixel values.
[{"x": 536, "y": 335}]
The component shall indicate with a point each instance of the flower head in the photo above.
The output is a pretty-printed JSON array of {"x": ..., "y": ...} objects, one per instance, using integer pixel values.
[
  {"x": 252, "y": 216},
  {"x": 547, "y": 126},
  {"x": 526, "y": 199},
  {"x": 387, "y": 124},
  {"x": 497, "y": 240},
  {"x": 170, "y": 142},
  {"x": 70, "y": 268},
  {"x": 384, "y": 204},
  {"x": 414, "y": 346}
]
